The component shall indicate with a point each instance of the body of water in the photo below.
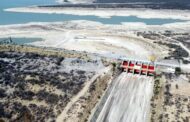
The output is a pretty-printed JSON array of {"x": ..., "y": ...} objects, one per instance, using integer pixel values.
[
  {"x": 19, "y": 41},
  {"x": 7, "y": 18}
]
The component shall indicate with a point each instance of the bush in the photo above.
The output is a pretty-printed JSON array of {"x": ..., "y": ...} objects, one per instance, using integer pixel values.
[
  {"x": 2, "y": 93},
  {"x": 114, "y": 64},
  {"x": 59, "y": 60},
  {"x": 177, "y": 70}
]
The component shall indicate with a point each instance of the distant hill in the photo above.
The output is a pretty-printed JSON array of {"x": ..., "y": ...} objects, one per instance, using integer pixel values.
[
  {"x": 142, "y": 1},
  {"x": 154, "y": 4}
]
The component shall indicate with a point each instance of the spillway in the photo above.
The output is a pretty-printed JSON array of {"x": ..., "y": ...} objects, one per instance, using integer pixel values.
[{"x": 128, "y": 100}]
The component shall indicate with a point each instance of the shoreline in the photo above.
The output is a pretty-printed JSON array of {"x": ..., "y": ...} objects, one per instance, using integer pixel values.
[
  {"x": 72, "y": 36},
  {"x": 107, "y": 13}
]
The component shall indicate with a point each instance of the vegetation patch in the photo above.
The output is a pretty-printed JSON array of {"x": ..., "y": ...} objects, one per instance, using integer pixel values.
[{"x": 36, "y": 87}]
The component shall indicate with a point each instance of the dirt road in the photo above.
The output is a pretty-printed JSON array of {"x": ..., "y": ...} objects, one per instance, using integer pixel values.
[{"x": 64, "y": 113}]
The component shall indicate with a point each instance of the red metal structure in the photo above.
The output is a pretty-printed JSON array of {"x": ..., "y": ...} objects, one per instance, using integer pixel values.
[{"x": 138, "y": 67}]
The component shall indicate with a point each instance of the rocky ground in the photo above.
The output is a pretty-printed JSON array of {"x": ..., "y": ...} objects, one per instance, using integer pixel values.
[{"x": 36, "y": 87}]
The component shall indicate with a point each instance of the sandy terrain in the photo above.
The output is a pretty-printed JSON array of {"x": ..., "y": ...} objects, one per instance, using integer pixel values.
[
  {"x": 183, "y": 89},
  {"x": 177, "y": 105},
  {"x": 111, "y": 41},
  {"x": 171, "y": 100}
]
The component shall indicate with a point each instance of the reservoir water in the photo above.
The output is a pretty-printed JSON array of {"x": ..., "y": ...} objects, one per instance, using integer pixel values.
[
  {"x": 19, "y": 41},
  {"x": 7, "y": 18}
]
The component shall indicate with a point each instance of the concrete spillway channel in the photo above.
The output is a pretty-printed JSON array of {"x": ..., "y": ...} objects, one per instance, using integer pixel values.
[{"x": 128, "y": 100}]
